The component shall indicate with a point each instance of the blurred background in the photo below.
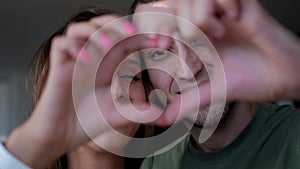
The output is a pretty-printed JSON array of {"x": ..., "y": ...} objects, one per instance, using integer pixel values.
[{"x": 25, "y": 24}]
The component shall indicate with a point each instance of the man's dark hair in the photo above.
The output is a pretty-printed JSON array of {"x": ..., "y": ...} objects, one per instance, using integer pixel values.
[{"x": 136, "y": 2}]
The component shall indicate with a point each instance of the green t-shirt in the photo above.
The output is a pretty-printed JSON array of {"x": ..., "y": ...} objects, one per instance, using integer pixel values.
[{"x": 270, "y": 141}]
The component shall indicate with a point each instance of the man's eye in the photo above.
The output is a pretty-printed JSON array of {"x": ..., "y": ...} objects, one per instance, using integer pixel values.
[{"x": 159, "y": 54}]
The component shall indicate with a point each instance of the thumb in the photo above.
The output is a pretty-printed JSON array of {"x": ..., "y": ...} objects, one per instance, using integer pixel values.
[
  {"x": 189, "y": 102},
  {"x": 138, "y": 112}
]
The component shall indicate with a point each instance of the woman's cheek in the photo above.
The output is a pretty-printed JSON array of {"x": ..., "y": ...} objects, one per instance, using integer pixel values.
[{"x": 136, "y": 92}]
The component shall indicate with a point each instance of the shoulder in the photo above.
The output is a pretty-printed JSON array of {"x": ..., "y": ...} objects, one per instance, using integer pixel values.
[
  {"x": 172, "y": 157},
  {"x": 270, "y": 113}
]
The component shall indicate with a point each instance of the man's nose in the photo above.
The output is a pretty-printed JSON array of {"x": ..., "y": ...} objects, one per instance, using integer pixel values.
[{"x": 188, "y": 64}]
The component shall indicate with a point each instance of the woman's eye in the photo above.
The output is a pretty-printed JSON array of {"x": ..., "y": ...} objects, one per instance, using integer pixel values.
[
  {"x": 159, "y": 54},
  {"x": 135, "y": 78},
  {"x": 130, "y": 78}
]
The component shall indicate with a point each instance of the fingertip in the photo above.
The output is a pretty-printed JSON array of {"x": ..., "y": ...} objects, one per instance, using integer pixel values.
[
  {"x": 84, "y": 56},
  {"x": 217, "y": 33},
  {"x": 154, "y": 41},
  {"x": 187, "y": 30},
  {"x": 164, "y": 42},
  {"x": 129, "y": 28},
  {"x": 230, "y": 7},
  {"x": 151, "y": 35},
  {"x": 105, "y": 41},
  {"x": 218, "y": 29},
  {"x": 160, "y": 122}
]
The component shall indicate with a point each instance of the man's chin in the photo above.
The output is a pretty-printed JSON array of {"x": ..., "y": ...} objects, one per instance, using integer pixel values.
[{"x": 211, "y": 117}]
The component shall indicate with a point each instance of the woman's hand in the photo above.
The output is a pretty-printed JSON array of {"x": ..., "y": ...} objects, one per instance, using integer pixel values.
[{"x": 67, "y": 115}]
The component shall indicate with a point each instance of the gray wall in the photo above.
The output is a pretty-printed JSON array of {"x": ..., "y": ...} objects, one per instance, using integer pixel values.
[
  {"x": 24, "y": 26},
  {"x": 26, "y": 23}
]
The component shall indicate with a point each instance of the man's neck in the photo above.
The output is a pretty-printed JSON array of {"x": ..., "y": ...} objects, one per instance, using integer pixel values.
[
  {"x": 88, "y": 158},
  {"x": 228, "y": 130}
]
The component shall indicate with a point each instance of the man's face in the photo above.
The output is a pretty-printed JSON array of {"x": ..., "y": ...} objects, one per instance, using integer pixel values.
[
  {"x": 181, "y": 67},
  {"x": 175, "y": 69}
]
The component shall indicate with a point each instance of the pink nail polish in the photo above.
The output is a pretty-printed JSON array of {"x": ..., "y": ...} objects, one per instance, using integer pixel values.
[
  {"x": 84, "y": 56},
  {"x": 129, "y": 28},
  {"x": 105, "y": 41},
  {"x": 154, "y": 41}
]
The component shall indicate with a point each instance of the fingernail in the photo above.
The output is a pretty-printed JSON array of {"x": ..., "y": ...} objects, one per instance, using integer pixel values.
[
  {"x": 151, "y": 35},
  {"x": 154, "y": 41},
  {"x": 164, "y": 42},
  {"x": 105, "y": 41},
  {"x": 129, "y": 28},
  {"x": 84, "y": 56}
]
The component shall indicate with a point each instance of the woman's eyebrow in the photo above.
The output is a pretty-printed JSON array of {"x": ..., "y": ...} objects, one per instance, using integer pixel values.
[{"x": 130, "y": 61}]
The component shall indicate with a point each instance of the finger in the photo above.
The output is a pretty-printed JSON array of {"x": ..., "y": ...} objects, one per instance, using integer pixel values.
[
  {"x": 63, "y": 48},
  {"x": 165, "y": 24},
  {"x": 130, "y": 45},
  {"x": 107, "y": 49},
  {"x": 215, "y": 28},
  {"x": 94, "y": 31},
  {"x": 118, "y": 53},
  {"x": 165, "y": 38},
  {"x": 230, "y": 7},
  {"x": 177, "y": 110},
  {"x": 112, "y": 30},
  {"x": 185, "y": 10},
  {"x": 205, "y": 18},
  {"x": 142, "y": 113},
  {"x": 189, "y": 103},
  {"x": 81, "y": 30},
  {"x": 114, "y": 23}
]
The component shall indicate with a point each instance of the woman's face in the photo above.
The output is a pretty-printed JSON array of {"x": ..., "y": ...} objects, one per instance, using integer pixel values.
[
  {"x": 126, "y": 83},
  {"x": 128, "y": 80}
]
